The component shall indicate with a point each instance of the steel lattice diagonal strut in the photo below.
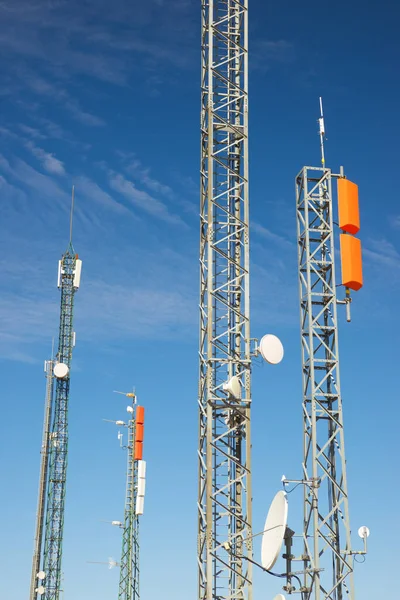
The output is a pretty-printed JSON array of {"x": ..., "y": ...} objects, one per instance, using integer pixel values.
[
  {"x": 224, "y": 494},
  {"x": 49, "y": 580}
]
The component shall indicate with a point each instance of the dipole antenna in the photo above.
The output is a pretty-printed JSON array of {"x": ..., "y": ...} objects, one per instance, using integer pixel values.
[
  {"x": 321, "y": 122},
  {"x": 48, "y": 578},
  {"x": 71, "y": 218}
]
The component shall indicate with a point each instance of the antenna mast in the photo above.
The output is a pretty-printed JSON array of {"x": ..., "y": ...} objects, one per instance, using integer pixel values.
[
  {"x": 224, "y": 494},
  {"x": 327, "y": 554},
  {"x": 49, "y": 583},
  {"x": 134, "y": 504}
]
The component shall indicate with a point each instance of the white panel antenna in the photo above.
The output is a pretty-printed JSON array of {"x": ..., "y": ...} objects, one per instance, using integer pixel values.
[
  {"x": 59, "y": 274},
  {"x": 77, "y": 274}
]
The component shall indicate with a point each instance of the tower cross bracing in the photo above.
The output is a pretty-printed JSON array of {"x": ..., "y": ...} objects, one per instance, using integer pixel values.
[{"x": 224, "y": 494}]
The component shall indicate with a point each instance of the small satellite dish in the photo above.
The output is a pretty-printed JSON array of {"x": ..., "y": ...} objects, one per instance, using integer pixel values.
[
  {"x": 363, "y": 532},
  {"x": 41, "y": 575},
  {"x": 274, "y": 530},
  {"x": 40, "y": 590},
  {"x": 129, "y": 409},
  {"x": 271, "y": 349},
  {"x": 280, "y": 597},
  {"x": 233, "y": 387},
  {"x": 61, "y": 370}
]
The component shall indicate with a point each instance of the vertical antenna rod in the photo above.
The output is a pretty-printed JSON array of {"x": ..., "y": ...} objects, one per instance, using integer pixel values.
[
  {"x": 134, "y": 504},
  {"x": 69, "y": 274},
  {"x": 71, "y": 218},
  {"x": 224, "y": 492},
  {"x": 43, "y": 479},
  {"x": 321, "y": 132},
  {"x": 328, "y": 562}
]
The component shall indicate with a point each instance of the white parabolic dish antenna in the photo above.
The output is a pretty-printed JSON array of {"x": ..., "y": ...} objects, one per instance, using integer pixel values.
[
  {"x": 363, "y": 532},
  {"x": 274, "y": 530},
  {"x": 41, "y": 575},
  {"x": 233, "y": 387},
  {"x": 271, "y": 349},
  {"x": 40, "y": 590},
  {"x": 61, "y": 370},
  {"x": 280, "y": 597}
]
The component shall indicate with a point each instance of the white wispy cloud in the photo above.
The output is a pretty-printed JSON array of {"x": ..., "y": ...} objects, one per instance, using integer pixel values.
[
  {"x": 73, "y": 38},
  {"x": 50, "y": 163},
  {"x": 10, "y": 193},
  {"x": 92, "y": 190},
  {"x": 272, "y": 237},
  {"x": 29, "y": 177},
  {"x": 143, "y": 174},
  {"x": 142, "y": 199},
  {"x": 395, "y": 222},
  {"x": 382, "y": 253},
  {"x": 31, "y": 131},
  {"x": 42, "y": 87},
  {"x": 266, "y": 53}
]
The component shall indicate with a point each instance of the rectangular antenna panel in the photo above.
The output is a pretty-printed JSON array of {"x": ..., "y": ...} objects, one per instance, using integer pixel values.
[
  {"x": 138, "y": 451},
  {"x": 349, "y": 214},
  {"x": 141, "y": 469},
  {"x": 141, "y": 487},
  {"x": 139, "y": 505},
  {"x": 78, "y": 270},
  {"x": 139, "y": 433},
  {"x": 73, "y": 339},
  {"x": 140, "y": 415},
  {"x": 59, "y": 274},
  {"x": 350, "y": 254}
]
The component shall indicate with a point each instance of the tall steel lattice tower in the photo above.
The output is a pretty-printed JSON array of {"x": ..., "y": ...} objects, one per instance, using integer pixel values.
[
  {"x": 224, "y": 494},
  {"x": 327, "y": 554},
  {"x": 134, "y": 504},
  {"x": 49, "y": 580}
]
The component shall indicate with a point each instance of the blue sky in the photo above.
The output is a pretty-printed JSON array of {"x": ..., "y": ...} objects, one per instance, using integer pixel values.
[{"x": 106, "y": 96}]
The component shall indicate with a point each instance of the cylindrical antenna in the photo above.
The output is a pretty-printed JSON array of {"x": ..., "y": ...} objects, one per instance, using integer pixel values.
[
  {"x": 321, "y": 132},
  {"x": 72, "y": 214}
]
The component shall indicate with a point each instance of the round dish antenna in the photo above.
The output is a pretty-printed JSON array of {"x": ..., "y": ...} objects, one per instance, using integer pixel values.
[
  {"x": 40, "y": 590},
  {"x": 129, "y": 409},
  {"x": 61, "y": 371},
  {"x": 233, "y": 387},
  {"x": 274, "y": 531},
  {"x": 280, "y": 597},
  {"x": 41, "y": 575},
  {"x": 363, "y": 532},
  {"x": 271, "y": 349}
]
